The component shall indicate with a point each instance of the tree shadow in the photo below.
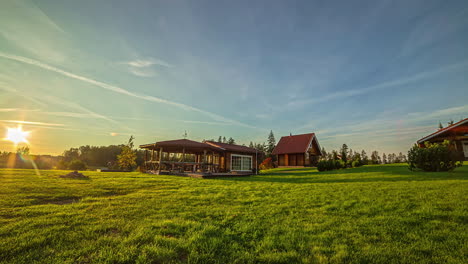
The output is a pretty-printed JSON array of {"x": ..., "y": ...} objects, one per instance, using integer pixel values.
[{"x": 367, "y": 174}]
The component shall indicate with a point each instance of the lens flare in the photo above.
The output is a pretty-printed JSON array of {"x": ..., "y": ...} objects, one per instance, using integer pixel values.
[{"x": 17, "y": 135}]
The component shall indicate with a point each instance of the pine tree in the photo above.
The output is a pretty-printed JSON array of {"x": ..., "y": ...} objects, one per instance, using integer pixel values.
[
  {"x": 335, "y": 155},
  {"x": 231, "y": 141},
  {"x": 224, "y": 139},
  {"x": 450, "y": 122},
  {"x": 271, "y": 143},
  {"x": 440, "y": 125},
  {"x": 344, "y": 153},
  {"x": 364, "y": 157},
  {"x": 220, "y": 140},
  {"x": 324, "y": 154},
  {"x": 384, "y": 159},
  {"x": 251, "y": 145}
]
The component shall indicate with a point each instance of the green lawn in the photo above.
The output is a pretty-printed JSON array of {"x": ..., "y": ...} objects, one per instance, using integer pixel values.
[{"x": 373, "y": 214}]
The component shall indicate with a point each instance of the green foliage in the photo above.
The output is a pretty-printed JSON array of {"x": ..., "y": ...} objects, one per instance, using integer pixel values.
[
  {"x": 62, "y": 165},
  {"x": 371, "y": 214},
  {"x": 23, "y": 151},
  {"x": 336, "y": 164},
  {"x": 231, "y": 141},
  {"x": 271, "y": 143},
  {"x": 434, "y": 157},
  {"x": 267, "y": 164},
  {"x": 327, "y": 165},
  {"x": 77, "y": 165},
  {"x": 344, "y": 153},
  {"x": 127, "y": 158}
]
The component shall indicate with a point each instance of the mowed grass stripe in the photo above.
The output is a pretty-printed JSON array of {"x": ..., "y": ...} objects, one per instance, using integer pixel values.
[{"x": 371, "y": 214}]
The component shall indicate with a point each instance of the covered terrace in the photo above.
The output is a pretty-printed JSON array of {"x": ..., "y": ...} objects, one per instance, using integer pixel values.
[{"x": 182, "y": 156}]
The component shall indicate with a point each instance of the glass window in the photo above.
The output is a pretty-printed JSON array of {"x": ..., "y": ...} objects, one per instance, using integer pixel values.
[
  {"x": 241, "y": 163},
  {"x": 246, "y": 163},
  {"x": 236, "y": 163}
]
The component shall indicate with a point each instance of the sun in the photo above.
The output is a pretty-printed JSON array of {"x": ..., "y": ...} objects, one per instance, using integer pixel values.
[{"x": 17, "y": 135}]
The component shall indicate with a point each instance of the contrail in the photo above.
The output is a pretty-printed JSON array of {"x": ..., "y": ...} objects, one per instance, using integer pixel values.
[{"x": 120, "y": 90}]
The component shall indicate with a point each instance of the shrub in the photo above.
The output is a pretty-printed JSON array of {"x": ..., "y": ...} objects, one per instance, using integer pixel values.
[
  {"x": 356, "y": 163},
  {"x": 266, "y": 164},
  {"x": 339, "y": 164},
  {"x": 62, "y": 165},
  {"x": 322, "y": 165},
  {"x": 326, "y": 165},
  {"x": 77, "y": 165},
  {"x": 434, "y": 157}
]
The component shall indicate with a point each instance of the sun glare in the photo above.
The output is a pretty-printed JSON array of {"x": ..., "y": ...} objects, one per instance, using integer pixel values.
[{"x": 17, "y": 135}]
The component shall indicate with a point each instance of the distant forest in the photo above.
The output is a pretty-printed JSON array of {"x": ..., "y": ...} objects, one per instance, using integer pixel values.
[{"x": 94, "y": 157}]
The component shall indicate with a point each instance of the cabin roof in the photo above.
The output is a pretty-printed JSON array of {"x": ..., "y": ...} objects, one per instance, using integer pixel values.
[
  {"x": 294, "y": 144},
  {"x": 231, "y": 147},
  {"x": 443, "y": 130},
  {"x": 194, "y": 146},
  {"x": 180, "y": 144}
]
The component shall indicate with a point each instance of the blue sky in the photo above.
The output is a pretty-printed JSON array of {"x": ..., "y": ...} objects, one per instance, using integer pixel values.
[{"x": 372, "y": 74}]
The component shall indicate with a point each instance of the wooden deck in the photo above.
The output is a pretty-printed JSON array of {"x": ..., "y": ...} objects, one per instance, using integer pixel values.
[{"x": 202, "y": 175}]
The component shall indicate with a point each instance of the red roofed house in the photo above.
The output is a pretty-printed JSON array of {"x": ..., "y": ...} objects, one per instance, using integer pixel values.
[
  {"x": 456, "y": 133},
  {"x": 297, "y": 150}
]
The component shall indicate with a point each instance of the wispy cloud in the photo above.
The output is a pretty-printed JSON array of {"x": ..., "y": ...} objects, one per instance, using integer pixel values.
[
  {"x": 380, "y": 86},
  {"x": 93, "y": 116},
  {"x": 8, "y": 109},
  {"x": 121, "y": 90},
  {"x": 148, "y": 62},
  {"x": 451, "y": 112},
  {"x": 205, "y": 122},
  {"x": 32, "y": 123},
  {"x": 29, "y": 28},
  {"x": 146, "y": 67},
  {"x": 18, "y": 110}
]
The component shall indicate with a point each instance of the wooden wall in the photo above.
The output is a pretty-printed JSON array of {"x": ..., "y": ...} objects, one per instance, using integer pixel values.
[{"x": 296, "y": 159}]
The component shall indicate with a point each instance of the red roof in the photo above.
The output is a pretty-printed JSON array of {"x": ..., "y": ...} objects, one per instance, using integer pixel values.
[
  {"x": 294, "y": 144},
  {"x": 443, "y": 130},
  {"x": 231, "y": 147}
]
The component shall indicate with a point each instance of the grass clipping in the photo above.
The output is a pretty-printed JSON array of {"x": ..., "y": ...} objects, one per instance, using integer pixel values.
[{"x": 74, "y": 175}]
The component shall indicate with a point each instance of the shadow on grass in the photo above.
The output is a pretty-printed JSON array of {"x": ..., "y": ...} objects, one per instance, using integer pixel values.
[{"x": 392, "y": 173}]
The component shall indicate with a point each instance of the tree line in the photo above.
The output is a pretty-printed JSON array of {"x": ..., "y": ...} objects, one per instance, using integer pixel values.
[
  {"x": 345, "y": 154},
  {"x": 126, "y": 157}
]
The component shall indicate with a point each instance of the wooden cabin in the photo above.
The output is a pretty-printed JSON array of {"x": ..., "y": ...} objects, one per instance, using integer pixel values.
[
  {"x": 297, "y": 150},
  {"x": 456, "y": 133},
  {"x": 183, "y": 156}
]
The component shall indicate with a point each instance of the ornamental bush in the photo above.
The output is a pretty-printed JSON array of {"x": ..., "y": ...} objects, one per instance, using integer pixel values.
[
  {"x": 327, "y": 165},
  {"x": 266, "y": 164},
  {"x": 434, "y": 157}
]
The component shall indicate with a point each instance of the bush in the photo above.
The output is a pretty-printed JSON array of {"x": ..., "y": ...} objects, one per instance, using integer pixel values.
[
  {"x": 266, "y": 164},
  {"x": 356, "y": 163},
  {"x": 62, "y": 165},
  {"x": 322, "y": 165},
  {"x": 339, "y": 164},
  {"x": 326, "y": 165},
  {"x": 434, "y": 157},
  {"x": 77, "y": 165}
]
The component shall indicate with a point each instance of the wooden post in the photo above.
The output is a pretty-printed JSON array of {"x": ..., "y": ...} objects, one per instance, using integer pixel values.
[
  {"x": 160, "y": 156},
  {"x": 204, "y": 159},
  {"x": 183, "y": 159}
]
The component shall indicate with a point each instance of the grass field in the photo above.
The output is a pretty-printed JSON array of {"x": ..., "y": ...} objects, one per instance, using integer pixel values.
[{"x": 373, "y": 214}]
